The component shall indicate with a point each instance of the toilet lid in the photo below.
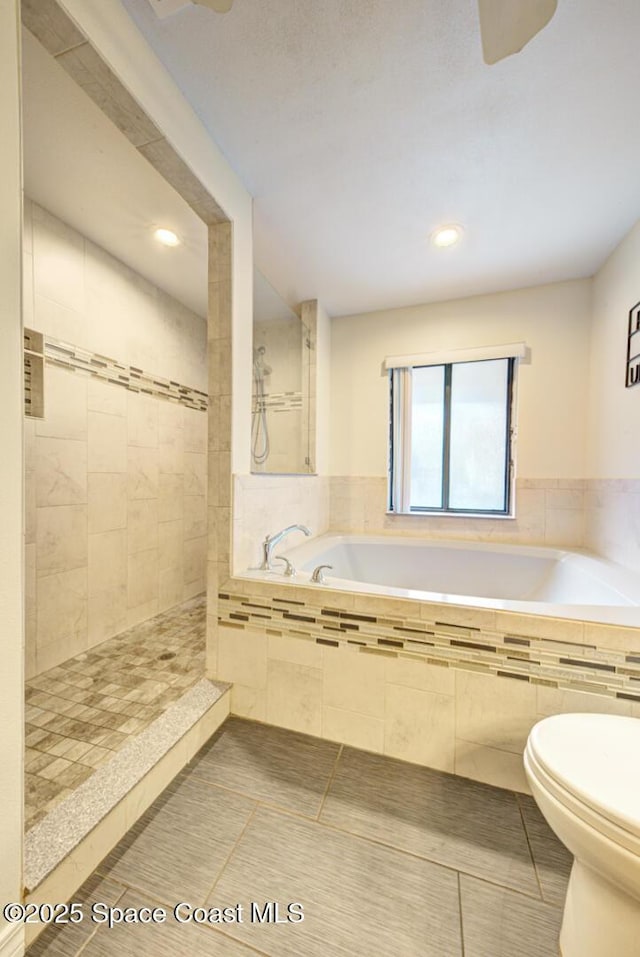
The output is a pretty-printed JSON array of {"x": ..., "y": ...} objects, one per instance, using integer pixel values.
[{"x": 596, "y": 757}]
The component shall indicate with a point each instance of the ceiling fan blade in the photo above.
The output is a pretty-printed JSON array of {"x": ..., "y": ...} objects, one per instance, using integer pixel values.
[
  {"x": 507, "y": 26},
  {"x": 220, "y": 6}
]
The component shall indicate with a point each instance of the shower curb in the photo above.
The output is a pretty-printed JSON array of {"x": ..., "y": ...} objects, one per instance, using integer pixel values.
[{"x": 49, "y": 842}]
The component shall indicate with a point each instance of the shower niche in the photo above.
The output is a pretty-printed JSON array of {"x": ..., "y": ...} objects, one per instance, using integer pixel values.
[{"x": 283, "y": 392}]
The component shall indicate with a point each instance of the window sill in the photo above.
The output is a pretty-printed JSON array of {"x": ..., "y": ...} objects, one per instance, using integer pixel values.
[{"x": 493, "y": 517}]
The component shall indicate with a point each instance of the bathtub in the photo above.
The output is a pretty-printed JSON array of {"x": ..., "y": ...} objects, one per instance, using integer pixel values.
[{"x": 546, "y": 581}]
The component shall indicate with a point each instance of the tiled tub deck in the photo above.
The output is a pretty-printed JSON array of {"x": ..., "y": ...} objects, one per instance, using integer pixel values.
[{"x": 388, "y": 859}]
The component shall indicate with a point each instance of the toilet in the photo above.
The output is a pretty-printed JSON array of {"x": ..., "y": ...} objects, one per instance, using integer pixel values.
[{"x": 584, "y": 773}]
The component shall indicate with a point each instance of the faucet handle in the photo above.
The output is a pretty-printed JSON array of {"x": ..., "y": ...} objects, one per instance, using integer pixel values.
[
  {"x": 318, "y": 574},
  {"x": 289, "y": 569}
]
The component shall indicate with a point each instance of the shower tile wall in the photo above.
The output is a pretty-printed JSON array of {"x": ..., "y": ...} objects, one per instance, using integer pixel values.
[{"x": 115, "y": 480}]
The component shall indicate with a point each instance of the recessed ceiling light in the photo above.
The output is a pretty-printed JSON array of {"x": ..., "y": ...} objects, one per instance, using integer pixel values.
[
  {"x": 167, "y": 237},
  {"x": 445, "y": 236}
]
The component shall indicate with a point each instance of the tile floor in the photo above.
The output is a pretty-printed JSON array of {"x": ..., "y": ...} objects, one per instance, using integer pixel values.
[
  {"x": 81, "y": 712},
  {"x": 388, "y": 860}
]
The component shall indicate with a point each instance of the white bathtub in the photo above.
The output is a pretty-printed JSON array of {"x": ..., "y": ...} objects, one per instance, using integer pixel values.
[{"x": 544, "y": 581}]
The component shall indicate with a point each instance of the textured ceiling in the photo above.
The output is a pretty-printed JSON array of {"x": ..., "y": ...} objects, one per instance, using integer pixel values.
[{"x": 360, "y": 125}]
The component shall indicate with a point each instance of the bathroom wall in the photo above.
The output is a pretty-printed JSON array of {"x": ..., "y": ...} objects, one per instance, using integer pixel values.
[
  {"x": 552, "y": 391},
  {"x": 11, "y": 530},
  {"x": 613, "y": 451},
  {"x": 116, "y": 477}
]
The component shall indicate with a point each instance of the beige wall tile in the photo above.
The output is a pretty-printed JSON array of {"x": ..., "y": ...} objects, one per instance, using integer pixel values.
[
  {"x": 170, "y": 546},
  {"x": 249, "y": 702},
  {"x": 107, "y": 561},
  {"x": 559, "y": 701},
  {"x": 62, "y": 607},
  {"x": 416, "y": 673},
  {"x": 61, "y": 471},
  {"x": 142, "y": 582},
  {"x": 494, "y": 711},
  {"x": 107, "y": 443},
  {"x": 194, "y": 588},
  {"x": 195, "y": 560},
  {"x": 354, "y": 681},
  {"x": 419, "y": 727},
  {"x": 30, "y": 507},
  {"x": 142, "y": 525},
  {"x": 61, "y": 538},
  {"x": 195, "y": 430},
  {"x": 142, "y": 612},
  {"x": 195, "y": 516},
  {"x": 356, "y": 730},
  {"x": 65, "y": 397},
  {"x": 143, "y": 473},
  {"x": 107, "y": 397},
  {"x": 142, "y": 420},
  {"x": 171, "y": 424},
  {"x": 499, "y": 768},
  {"x": 294, "y": 696},
  {"x": 296, "y": 650},
  {"x": 195, "y": 473},
  {"x": 170, "y": 497},
  {"x": 242, "y": 657},
  {"x": 107, "y": 501},
  {"x": 107, "y": 614},
  {"x": 170, "y": 587}
]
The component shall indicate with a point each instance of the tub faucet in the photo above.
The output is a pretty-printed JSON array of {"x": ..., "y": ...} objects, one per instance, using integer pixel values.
[{"x": 271, "y": 541}]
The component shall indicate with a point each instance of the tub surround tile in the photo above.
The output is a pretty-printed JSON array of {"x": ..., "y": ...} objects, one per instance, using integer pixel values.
[
  {"x": 420, "y": 727},
  {"x": 294, "y": 696},
  {"x": 502, "y": 769}
]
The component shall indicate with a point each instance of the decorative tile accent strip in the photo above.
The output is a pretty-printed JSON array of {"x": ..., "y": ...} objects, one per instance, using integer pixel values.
[
  {"x": 542, "y": 661},
  {"x": 278, "y": 402},
  {"x": 67, "y": 356}
]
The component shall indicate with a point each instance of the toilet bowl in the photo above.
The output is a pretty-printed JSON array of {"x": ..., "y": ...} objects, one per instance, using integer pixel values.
[{"x": 584, "y": 773}]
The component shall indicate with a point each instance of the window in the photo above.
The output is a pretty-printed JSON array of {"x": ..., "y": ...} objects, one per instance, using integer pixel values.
[{"x": 451, "y": 437}]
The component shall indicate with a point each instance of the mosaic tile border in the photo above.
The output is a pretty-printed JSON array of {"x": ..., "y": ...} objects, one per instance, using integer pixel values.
[
  {"x": 540, "y": 661},
  {"x": 278, "y": 402},
  {"x": 67, "y": 356}
]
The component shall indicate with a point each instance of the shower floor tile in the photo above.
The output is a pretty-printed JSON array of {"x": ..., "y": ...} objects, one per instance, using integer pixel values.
[
  {"x": 266, "y": 815},
  {"x": 84, "y": 710}
]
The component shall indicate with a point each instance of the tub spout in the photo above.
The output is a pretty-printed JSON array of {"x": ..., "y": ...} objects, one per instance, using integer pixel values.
[{"x": 271, "y": 541}]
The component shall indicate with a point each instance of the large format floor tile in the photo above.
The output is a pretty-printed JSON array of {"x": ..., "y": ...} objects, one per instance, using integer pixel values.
[
  {"x": 401, "y": 861},
  {"x": 360, "y": 899},
  {"x": 465, "y": 825},
  {"x": 65, "y": 940},
  {"x": 553, "y": 861},
  {"x": 179, "y": 846},
  {"x": 501, "y": 923},
  {"x": 269, "y": 764},
  {"x": 161, "y": 940}
]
